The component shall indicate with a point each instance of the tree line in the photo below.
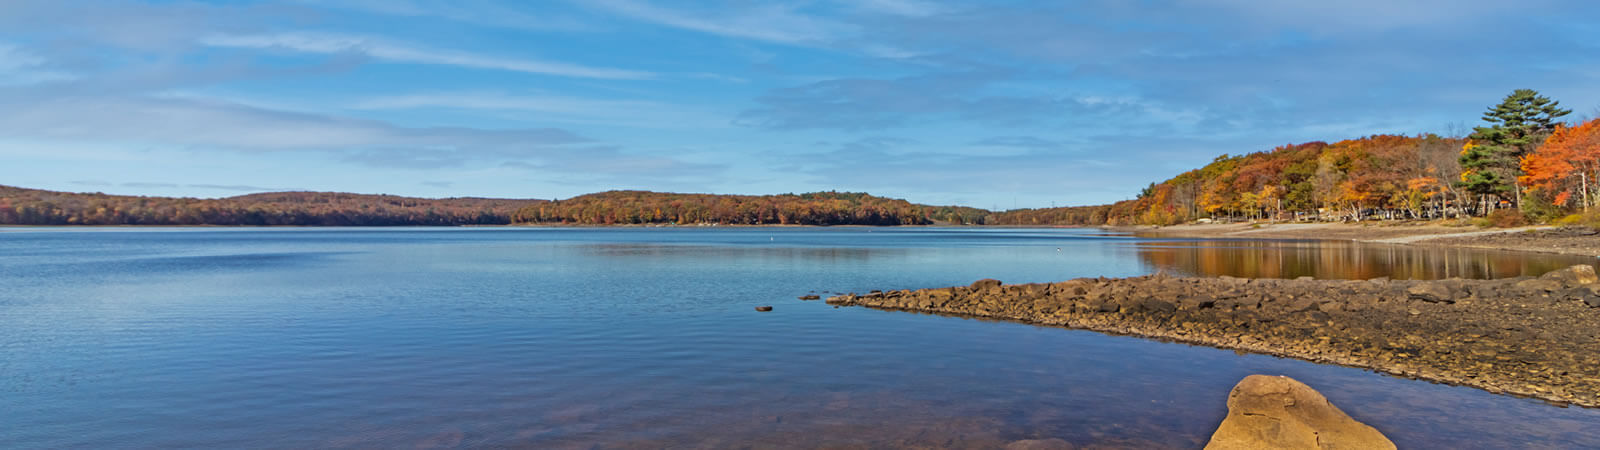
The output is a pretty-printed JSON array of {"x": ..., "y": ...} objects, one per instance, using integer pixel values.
[
  {"x": 19, "y": 206},
  {"x": 818, "y": 208}
]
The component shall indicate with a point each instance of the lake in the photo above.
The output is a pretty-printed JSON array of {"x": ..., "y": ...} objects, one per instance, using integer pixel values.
[{"x": 648, "y": 338}]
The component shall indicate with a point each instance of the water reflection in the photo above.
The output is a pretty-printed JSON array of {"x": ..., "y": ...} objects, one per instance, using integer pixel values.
[
  {"x": 636, "y": 338},
  {"x": 1341, "y": 260}
]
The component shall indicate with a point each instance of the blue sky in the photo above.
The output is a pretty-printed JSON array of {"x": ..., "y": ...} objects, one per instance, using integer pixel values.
[{"x": 995, "y": 104}]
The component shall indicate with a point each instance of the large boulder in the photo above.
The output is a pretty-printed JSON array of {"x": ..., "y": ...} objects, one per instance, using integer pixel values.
[
  {"x": 1575, "y": 276},
  {"x": 1281, "y": 413}
]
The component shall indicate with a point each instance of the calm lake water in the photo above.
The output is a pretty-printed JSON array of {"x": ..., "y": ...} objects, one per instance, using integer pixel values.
[{"x": 647, "y": 338}]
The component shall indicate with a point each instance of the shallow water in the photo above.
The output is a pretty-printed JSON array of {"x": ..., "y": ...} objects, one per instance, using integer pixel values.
[{"x": 647, "y": 338}]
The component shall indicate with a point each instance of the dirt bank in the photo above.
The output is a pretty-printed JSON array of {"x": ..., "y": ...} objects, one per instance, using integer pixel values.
[
  {"x": 1569, "y": 241},
  {"x": 1524, "y": 336}
]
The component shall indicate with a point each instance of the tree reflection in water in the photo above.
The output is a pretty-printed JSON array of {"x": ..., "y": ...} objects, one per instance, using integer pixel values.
[{"x": 1341, "y": 260}]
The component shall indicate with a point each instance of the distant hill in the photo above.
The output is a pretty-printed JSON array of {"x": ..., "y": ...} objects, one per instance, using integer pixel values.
[
  {"x": 20, "y": 206},
  {"x": 819, "y": 208}
]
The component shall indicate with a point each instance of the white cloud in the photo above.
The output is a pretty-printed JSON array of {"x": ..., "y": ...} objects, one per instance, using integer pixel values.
[
  {"x": 556, "y": 108},
  {"x": 769, "y": 22},
  {"x": 913, "y": 8},
  {"x": 1343, "y": 17},
  {"x": 201, "y": 124},
  {"x": 479, "y": 12},
  {"x": 376, "y": 48}
]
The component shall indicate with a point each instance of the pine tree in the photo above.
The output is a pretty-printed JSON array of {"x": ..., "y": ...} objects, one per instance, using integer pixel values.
[{"x": 1491, "y": 160}]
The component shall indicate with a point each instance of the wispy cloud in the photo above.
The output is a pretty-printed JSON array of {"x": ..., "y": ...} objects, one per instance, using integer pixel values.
[
  {"x": 765, "y": 21},
  {"x": 325, "y": 43},
  {"x": 514, "y": 15},
  {"x": 914, "y": 8},
  {"x": 203, "y": 126},
  {"x": 20, "y": 66},
  {"x": 556, "y": 108},
  {"x": 212, "y": 124}
]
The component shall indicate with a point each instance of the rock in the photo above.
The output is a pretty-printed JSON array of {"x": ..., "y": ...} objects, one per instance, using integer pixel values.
[
  {"x": 1589, "y": 295},
  {"x": 1039, "y": 444},
  {"x": 811, "y": 297},
  {"x": 1539, "y": 285},
  {"x": 1431, "y": 292},
  {"x": 985, "y": 284},
  {"x": 1575, "y": 276},
  {"x": 1281, "y": 413},
  {"x": 763, "y": 308}
]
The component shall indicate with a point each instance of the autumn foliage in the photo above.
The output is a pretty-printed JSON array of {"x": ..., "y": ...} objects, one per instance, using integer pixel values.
[
  {"x": 1384, "y": 176},
  {"x": 821, "y": 208},
  {"x": 1566, "y": 168}
]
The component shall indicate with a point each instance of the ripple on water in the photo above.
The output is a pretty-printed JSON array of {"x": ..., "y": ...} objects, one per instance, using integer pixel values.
[{"x": 637, "y": 339}]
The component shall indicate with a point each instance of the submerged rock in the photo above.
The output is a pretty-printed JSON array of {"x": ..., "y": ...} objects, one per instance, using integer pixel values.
[
  {"x": 1040, "y": 444},
  {"x": 763, "y": 308},
  {"x": 1281, "y": 413},
  {"x": 811, "y": 297}
]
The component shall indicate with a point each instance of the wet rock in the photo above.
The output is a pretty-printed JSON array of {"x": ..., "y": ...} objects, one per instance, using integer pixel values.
[
  {"x": 811, "y": 297},
  {"x": 1040, "y": 444},
  {"x": 1281, "y": 413},
  {"x": 1431, "y": 292},
  {"x": 1575, "y": 276},
  {"x": 763, "y": 308}
]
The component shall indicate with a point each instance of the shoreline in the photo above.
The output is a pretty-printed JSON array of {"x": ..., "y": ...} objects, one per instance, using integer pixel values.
[{"x": 1529, "y": 337}]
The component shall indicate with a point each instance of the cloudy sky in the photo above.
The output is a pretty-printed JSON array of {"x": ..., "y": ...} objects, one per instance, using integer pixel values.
[{"x": 995, "y": 104}]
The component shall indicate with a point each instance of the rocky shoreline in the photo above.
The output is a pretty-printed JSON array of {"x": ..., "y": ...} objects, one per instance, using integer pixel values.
[{"x": 1532, "y": 337}]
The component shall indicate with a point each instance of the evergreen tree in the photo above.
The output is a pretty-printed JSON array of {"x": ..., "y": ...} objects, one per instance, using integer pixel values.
[{"x": 1491, "y": 161}]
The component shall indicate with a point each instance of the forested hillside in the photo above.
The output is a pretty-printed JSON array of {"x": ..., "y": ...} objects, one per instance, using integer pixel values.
[
  {"x": 20, "y": 206},
  {"x": 1522, "y": 163},
  {"x": 821, "y": 208}
]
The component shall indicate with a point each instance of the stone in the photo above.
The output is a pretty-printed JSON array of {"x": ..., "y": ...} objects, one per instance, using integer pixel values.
[
  {"x": 1539, "y": 285},
  {"x": 811, "y": 297},
  {"x": 1575, "y": 276},
  {"x": 763, "y": 308},
  {"x": 985, "y": 283},
  {"x": 1431, "y": 292},
  {"x": 1039, "y": 444},
  {"x": 1281, "y": 413}
]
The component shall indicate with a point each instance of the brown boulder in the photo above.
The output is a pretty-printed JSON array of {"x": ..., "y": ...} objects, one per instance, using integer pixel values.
[
  {"x": 1281, "y": 413},
  {"x": 1579, "y": 275}
]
